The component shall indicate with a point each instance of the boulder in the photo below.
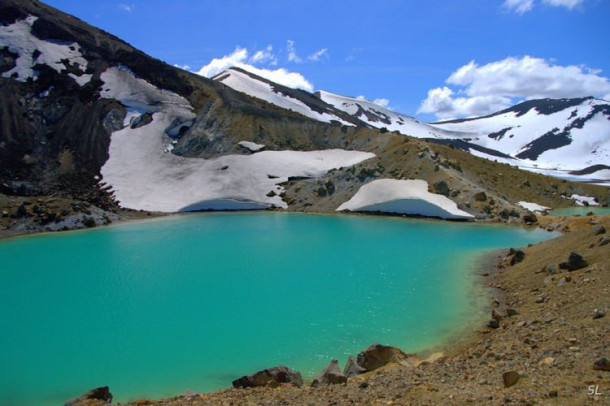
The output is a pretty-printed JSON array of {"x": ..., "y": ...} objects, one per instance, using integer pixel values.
[
  {"x": 270, "y": 376},
  {"x": 101, "y": 393},
  {"x": 575, "y": 261},
  {"x": 352, "y": 368},
  {"x": 330, "y": 375},
  {"x": 378, "y": 355},
  {"x": 530, "y": 218}
]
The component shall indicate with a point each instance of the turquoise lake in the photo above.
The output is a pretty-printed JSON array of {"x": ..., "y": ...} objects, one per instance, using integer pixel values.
[
  {"x": 157, "y": 307},
  {"x": 581, "y": 210}
]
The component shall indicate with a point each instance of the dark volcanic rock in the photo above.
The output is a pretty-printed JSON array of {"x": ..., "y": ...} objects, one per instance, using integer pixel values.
[
  {"x": 270, "y": 376},
  {"x": 101, "y": 393},
  {"x": 330, "y": 375},
  {"x": 378, "y": 355},
  {"x": 517, "y": 256},
  {"x": 574, "y": 262}
]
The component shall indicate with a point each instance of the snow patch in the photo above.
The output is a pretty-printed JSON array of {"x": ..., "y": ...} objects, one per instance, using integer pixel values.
[
  {"x": 145, "y": 175},
  {"x": 533, "y": 207},
  {"x": 19, "y": 40},
  {"x": 584, "y": 200},
  {"x": 261, "y": 90},
  {"x": 252, "y": 146},
  {"x": 404, "y": 197}
]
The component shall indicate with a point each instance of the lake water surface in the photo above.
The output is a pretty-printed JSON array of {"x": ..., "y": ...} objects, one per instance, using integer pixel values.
[{"x": 192, "y": 302}]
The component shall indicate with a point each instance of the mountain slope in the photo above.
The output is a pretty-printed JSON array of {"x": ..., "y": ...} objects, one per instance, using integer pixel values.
[
  {"x": 83, "y": 111},
  {"x": 565, "y": 134},
  {"x": 381, "y": 117},
  {"x": 296, "y": 100}
]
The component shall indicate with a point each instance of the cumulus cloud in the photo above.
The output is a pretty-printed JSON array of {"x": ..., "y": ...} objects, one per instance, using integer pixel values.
[
  {"x": 239, "y": 58},
  {"x": 497, "y": 85},
  {"x": 380, "y": 102},
  {"x": 265, "y": 55},
  {"x": 518, "y": 6}
]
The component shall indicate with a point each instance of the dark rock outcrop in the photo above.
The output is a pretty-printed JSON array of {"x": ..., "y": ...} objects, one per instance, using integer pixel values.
[
  {"x": 575, "y": 261},
  {"x": 101, "y": 393},
  {"x": 330, "y": 375},
  {"x": 270, "y": 376}
]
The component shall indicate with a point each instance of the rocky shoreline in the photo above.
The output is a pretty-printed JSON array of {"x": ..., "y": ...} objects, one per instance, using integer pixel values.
[{"x": 546, "y": 341}]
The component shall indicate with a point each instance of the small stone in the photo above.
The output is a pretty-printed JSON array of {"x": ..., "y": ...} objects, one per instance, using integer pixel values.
[
  {"x": 553, "y": 394},
  {"x": 574, "y": 349},
  {"x": 598, "y": 314},
  {"x": 547, "y": 361},
  {"x": 540, "y": 299},
  {"x": 521, "y": 324},
  {"x": 602, "y": 364},
  {"x": 573, "y": 341},
  {"x": 603, "y": 241},
  {"x": 568, "y": 278},
  {"x": 363, "y": 385},
  {"x": 510, "y": 378},
  {"x": 597, "y": 230},
  {"x": 510, "y": 312},
  {"x": 495, "y": 303},
  {"x": 493, "y": 324}
]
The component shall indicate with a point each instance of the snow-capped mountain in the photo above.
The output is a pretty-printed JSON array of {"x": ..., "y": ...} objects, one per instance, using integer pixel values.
[
  {"x": 82, "y": 113},
  {"x": 380, "y": 117},
  {"x": 564, "y": 134},
  {"x": 287, "y": 98},
  {"x": 567, "y": 138}
]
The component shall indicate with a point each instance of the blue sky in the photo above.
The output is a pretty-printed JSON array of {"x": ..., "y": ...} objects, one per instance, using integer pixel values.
[{"x": 431, "y": 59}]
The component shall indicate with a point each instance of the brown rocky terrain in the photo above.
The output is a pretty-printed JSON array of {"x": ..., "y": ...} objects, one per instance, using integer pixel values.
[{"x": 545, "y": 342}]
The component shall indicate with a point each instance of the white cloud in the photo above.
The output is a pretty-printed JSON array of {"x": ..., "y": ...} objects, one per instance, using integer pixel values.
[
  {"x": 496, "y": 85},
  {"x": 239, "y": 58},
  {"x": 264, "y": 55},
  {"x": 569, "y": 4},
  {"x": 318, "y": 55},
  {"x": 217, "y": 65},
  {"x": 127, "y": 7},
  {"x": 518, "y": 6},
  {"x": 523, "y": 6},
  {"x": 183, "y": 67},
  {"x": 292, "y": 53},
  {"x": 380, "y": 102}
]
